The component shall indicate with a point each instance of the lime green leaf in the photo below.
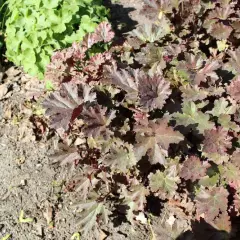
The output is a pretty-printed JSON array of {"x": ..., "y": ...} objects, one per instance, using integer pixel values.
[
  {"x": 87, "y": 24},
  {"x": 50, "y": 3},
  {"x": 61, "y": 27}
]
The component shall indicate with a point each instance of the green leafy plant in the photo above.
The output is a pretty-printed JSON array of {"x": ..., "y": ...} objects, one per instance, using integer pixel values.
[
  {"x": 35, "y": 29},
  {"x": 155, "y": 117}
]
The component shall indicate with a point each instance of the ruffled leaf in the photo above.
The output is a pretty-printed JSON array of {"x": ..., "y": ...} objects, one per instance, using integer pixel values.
[
  {"x": 96, "y": 121},
  {"x": 150, "y": 32},
  {"x": 223, "y": 222},
  {"x": 216, "y": 141},
  {"x": 153, "y": 91},
  {"x": 151, "y": 56},
  {"x": 234, "y": 89},
  {"x": 191, "y": 115},
  {"x": 126, "y": 80},
  {"x": 221, "y": 31},
  {"x": 120, "y": 157},
  {"x": 210, "y": 202},
  {"x": 193, "y": 169},
  {"x": 64, "y": 106},
  {"x": 221, "y": 106},
  {"x": 66, "y": 155},
  {"x": 154, "y": 139},
  {"x": 102, "y": 33},
  {"x": 193, "y": 93},
  {"x": 233, "y": 63},
  {"x": 92, "y": 210},
  {"x": 164, "y": 183}
]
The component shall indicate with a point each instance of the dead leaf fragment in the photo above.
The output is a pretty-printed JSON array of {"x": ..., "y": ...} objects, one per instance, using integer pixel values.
[
  {"x": 141, "y": 218},
  {"x": 48, "y": 215},
  {"x": 3, "y": 90}
]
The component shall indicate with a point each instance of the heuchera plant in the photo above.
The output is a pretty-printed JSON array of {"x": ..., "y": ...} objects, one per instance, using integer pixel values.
[{"x": 155, "y": 117}]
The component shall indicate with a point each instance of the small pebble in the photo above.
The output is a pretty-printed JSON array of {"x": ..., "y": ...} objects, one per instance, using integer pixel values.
[{"x": 23, "y": 182}]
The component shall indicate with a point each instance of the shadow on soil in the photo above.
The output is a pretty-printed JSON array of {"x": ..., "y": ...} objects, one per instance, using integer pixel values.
[
  {"x": 203, "y": 231},
  {"x": 120, "y": 18}
]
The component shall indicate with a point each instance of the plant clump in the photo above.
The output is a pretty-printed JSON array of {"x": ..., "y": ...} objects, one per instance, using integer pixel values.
[{"x": 157, "y": 117}]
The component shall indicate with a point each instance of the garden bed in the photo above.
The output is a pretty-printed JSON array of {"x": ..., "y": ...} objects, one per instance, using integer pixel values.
[{"x": 135, "y": 133}]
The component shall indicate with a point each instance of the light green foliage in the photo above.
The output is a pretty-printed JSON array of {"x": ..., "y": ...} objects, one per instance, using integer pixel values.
[
  {"x": 191, "y": 115},
  {"x": 165, "y": 183},
  {"x": 39, "y": 27},
  {"x": 221, "y": 107}
]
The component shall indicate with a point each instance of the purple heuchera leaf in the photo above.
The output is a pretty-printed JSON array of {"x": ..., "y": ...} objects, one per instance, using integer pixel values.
[
  {"x": 236, "y": 159},
  {"x": 73, "y": 64},
  {"x": 93, "y": 68},
  {"x": 234, "y": 61},
  {"x": 152, "y": 8},
  {"x": 230, "y": 173},
  {"x": 79, "y": 51},
  {"x": 217, "y": 24},
  {"x": 60, "y": 66},
  {"x": 120, "y": 157},
  {"x": 137, "y": 194},
  {"x": 207, "y": 71},
  {"x": 221, "y": 13},
  {"x": 155, "y": 139},
  {"x": 151, "y": 32},
  {"x": 210, "y": 202},
  {"x": 237, "y": 201},
  {"x": 64, "y": 106},
  {"x": 193, "y": 169},
  {"x": 97, "y": 120},
  {"x": 221, "y": 31},
  {"x": 236, "y": 27},
  {"x": 153, "y": 91},
  {"x": 193, "y": 93},
  {"x": 234, "y": 89},
  {"x": 223, "y": 222},
  {"x": 197, "y": 70},
  {"x": 126, "y": 80},
  {"x": 164, "y": 184},
  {"x": 216, "y": 141},
  {"x": 103, "y": 33}
]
